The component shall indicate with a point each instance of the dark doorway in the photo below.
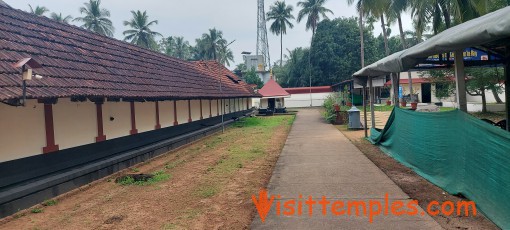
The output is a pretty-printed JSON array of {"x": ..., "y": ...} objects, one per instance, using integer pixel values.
[
  {"x": 271, "y": 103},
  {"x": 426, "y": 93}
]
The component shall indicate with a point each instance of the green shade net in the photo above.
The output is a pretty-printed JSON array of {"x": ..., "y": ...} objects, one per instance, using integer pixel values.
[{"x": 455, "y": 151}]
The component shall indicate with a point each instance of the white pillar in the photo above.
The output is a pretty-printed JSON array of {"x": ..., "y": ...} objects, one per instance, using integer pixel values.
[{"x": 460, "y": 80}]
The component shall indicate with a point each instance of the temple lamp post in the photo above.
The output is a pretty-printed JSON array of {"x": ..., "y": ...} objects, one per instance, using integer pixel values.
[{"x": 26, "y": 65}]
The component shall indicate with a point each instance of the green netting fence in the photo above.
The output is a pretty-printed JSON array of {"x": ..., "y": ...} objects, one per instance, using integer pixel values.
[{"x": 455, "y": 151}]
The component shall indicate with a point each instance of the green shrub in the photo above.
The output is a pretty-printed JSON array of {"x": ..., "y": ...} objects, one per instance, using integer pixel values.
[{"x": 329, "y": 107}]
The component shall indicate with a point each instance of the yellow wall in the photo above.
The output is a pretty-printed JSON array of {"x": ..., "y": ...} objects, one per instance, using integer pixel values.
[
  {"x": 22, "y": 130},
  {"x": 214, "y": 107},
  {"x": 182, "y": 111},
  {"x": 166, "y": 113},
  {"x": 205, "y": 108},
  {"x": 75, "y": 123},
  {"x": 227, "y": 106},
  {"x": 145, "y": 116},
  {"x": 121, "y": 124},
  {"x": 195, "y": 110}
]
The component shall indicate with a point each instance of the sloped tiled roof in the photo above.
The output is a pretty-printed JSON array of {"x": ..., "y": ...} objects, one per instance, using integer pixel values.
[
  {"x": 273, "y": 89},
  {"x": 77, "y": 62},
  {"x": 228, "y": 78}
]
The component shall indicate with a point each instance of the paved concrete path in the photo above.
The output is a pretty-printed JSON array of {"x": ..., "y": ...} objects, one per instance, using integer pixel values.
[{"x": 318, "y": 160}]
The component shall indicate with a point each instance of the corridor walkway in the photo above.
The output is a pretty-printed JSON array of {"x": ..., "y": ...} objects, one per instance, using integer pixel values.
[{"x": 317, "y": 161}]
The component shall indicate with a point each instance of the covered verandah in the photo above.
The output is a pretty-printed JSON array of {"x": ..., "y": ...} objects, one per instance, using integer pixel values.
[{"x": 489, "y": 33}]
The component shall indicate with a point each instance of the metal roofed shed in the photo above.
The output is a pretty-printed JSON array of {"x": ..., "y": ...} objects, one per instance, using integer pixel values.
[
  {"x": 489, "y": 33},
  {"x": 453, "y": 150}
]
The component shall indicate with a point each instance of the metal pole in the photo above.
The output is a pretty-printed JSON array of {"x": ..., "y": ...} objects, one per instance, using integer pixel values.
[
  {"x": 310, "y": 69},
  {"x": 507, "y": 88},
  {"x": 371, "y": 91},
  {"x": 223, "y": 110},
  {"x": 24, "y": 92},
  {"x": 364, "y": 111},
  {"x": 352, "y": 92},
  {"x": 24, "y": 86}
]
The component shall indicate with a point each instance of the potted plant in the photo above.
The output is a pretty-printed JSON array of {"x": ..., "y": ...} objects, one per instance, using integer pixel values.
[
  {"x": 388, "y": 102},
  {"x": 337, "y": 107},
  {"x": 414, "y": 105},
  {"x": 403, "y": 102}
]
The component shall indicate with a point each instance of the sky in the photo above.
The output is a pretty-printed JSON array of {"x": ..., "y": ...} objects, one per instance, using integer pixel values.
[{"x": 191, "y": 18}]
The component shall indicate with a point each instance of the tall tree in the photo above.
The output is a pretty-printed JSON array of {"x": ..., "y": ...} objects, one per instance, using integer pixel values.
[
  {"x": 281, "y": 14},
  {"x": 96, "y": 19},
  {"x": 397, "y": 8},
  {"x": 212, "y": 46},
  {"x": 181, "y": 48},
  {"x": 313, "y": 10},
  {"x": 443, "y": 13},
  {"x": 60, "y": 18},
  {"x": 337, "y": 50},
  {"x": 167, "y": 46},
  {"x": 39, "y": 10},
  {"x": 225, "y": 55},
  {"x": 140, "y": 32}
]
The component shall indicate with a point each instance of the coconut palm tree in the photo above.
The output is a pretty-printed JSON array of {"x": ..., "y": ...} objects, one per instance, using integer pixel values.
[
  {"x": 313, "y": 10},
  {"x": 281, "y": 14},
  {"x": 359, "y": 7},
  {"x": 96, "y": 19},
  {"x": 397, "y": 8},
  {"x": 181, "y": 48},
  {"x": 442, "y": 13},
  {"x": 140, "y": 32},
  {"x": 212, "y": 43},
  {"x": 377, "y": 9},
  {"x": 225, "y": 55},
  {"x": 60, "y": 18},
  {"x": 39, "y": 10}
]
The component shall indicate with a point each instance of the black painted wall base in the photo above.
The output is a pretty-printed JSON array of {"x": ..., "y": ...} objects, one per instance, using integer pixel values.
[{"x": 29, "y": 181}]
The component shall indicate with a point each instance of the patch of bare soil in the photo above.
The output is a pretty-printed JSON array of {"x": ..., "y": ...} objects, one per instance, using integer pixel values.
[
  {"x": 209, "y": 187},
  {"x": 416, "y": 186}
]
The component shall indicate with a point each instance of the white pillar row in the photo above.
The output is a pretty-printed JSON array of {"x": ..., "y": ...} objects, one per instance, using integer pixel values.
[{"x": 460, "y": 80}]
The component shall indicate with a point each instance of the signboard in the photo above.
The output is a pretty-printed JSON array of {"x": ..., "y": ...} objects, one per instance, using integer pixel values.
[{"x": 470, "y": 54}]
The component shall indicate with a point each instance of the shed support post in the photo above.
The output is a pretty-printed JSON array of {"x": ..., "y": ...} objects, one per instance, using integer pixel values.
[
  {"x": 395, "y": 82},
  {"x": 410, "y": 80},
  {"x": 365, "y": 110},
  {"x": 507, "y": 88},
  {"x": 372, "y": 99},
  {"x": 460, "y": 80}
]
